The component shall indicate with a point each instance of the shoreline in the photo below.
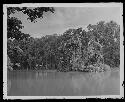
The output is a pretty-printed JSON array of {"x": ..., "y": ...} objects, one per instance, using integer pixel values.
[{"x": 24, "y": 70}]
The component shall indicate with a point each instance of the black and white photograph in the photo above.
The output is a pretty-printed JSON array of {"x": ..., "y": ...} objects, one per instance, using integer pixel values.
[{"x": 53, "y": 50}]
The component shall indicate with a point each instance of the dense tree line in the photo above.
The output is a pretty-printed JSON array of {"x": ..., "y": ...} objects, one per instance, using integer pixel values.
[{"x": 75, "y": 49}]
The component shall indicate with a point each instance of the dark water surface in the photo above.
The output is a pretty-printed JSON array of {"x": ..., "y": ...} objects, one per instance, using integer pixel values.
[{"x": 33, "y": 83}]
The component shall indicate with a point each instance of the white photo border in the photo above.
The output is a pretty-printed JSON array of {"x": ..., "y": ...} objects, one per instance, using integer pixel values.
[{"x": 61, "y": 5}]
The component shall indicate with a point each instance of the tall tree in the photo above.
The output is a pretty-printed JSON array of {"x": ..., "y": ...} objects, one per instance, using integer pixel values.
[
  {"x": 107, "y": 35},
  {"x": 14, "y": 25}
]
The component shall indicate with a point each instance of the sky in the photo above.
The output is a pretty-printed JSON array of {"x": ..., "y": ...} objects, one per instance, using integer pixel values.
[{"x": 67, "y": 17}]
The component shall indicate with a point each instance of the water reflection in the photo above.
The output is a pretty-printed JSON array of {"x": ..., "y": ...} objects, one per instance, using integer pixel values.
[
  {"x": 60, "y": 83},
  {"x": 96, "y": 84},
  {"x": 8, "y": 85},
  {"x": 40, "y": 74}
]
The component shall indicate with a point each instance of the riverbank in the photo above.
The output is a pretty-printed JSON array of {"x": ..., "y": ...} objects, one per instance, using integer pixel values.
[{"x": 115, "y": 69}]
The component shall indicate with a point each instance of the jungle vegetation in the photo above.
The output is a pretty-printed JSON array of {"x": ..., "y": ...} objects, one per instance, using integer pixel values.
[{"x": 74, "y": 50}]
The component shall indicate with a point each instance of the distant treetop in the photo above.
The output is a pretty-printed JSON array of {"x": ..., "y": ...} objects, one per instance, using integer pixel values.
[{"x": 33, "y": 13}]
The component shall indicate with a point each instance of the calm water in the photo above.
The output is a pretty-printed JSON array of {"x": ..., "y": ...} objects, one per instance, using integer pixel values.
[{"x": 62, "y": 84}]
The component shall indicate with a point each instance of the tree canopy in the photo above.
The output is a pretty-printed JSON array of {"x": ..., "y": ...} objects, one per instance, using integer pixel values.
[
  {"x": 75, "y": 49},
  {"x": 14, "y": 25}
]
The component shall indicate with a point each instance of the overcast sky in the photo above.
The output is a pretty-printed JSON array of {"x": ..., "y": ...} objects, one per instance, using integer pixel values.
[{"x": 67, "y": 17}]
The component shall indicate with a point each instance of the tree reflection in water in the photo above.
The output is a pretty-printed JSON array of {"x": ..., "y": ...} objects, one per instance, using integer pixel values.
[
  {"x": 8, "y": 85},
  {"x": 90, "y": 83},
  {"x": 40, "y": 74},
  {"x": 62, "y": 83}
]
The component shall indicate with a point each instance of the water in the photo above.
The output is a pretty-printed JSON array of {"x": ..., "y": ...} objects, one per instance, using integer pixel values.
[{"x": 33, "y": 83}]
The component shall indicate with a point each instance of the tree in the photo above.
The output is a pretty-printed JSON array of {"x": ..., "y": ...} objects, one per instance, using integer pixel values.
[
  {"x": 107, "y": 35},
  {"x": 14, "y": 25},
  {"x": 75, "y": 49},
  {"x": 13, "y": 29},
  {"x": 32, "y": 12},
  {"x": 13, "y": 32}
]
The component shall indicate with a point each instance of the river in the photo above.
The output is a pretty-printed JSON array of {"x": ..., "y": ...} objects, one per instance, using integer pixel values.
[{"x": 34, "y": 83}]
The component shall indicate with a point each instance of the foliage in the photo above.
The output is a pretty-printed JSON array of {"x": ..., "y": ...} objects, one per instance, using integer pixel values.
[
  {"x": 108, "y": 36},
  {"x": 32, "y": 13},
  {"x": 13, "y": 29},
  {"x": 14, "y": 25},
  {"x": 19, "y": 41},
  {"x": 75, "y": 49}
]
